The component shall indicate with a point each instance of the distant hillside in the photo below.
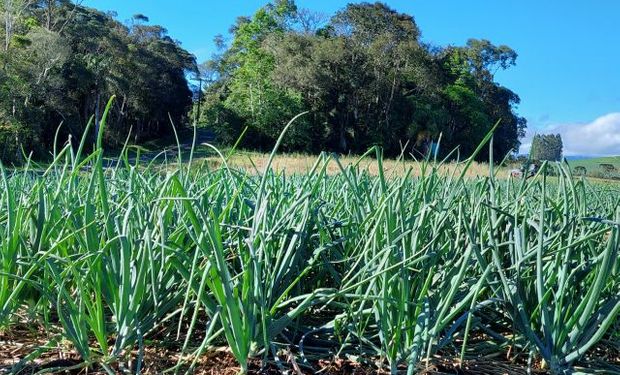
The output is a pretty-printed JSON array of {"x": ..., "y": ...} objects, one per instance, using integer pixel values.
[{"x": 593, "y": 165}]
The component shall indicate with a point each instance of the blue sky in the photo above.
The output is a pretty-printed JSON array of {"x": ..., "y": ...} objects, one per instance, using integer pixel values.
[{"x": 567, "y": 73}]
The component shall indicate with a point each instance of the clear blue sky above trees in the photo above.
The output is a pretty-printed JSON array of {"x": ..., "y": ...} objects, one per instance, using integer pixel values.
[{"x": 567, "y": 72}]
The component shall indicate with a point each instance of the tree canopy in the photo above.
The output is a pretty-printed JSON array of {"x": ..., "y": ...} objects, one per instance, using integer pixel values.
[
  {"x": 364, "y": 75},
  {"x": 60, "y": 62},
  {"x": 366, "y": 78},
  {"x": 546, "y": 147}
]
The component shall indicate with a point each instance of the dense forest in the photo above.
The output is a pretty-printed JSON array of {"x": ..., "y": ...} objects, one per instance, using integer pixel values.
[
  {"x": 366, "y": 78},
  {"x": 61, "y": 62},
  {"x": 364, "y": 75}
]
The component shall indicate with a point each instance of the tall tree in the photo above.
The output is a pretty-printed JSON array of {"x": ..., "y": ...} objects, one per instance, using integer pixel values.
[
  {"x": 546, "y": 147},
  {"x": 247, "y": 67}
]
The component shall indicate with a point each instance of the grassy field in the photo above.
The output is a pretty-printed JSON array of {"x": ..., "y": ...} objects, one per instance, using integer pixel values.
[
  {"x": 294, "y": 164},
  {"x": 149, "y": 270},
  {"x": 593, "y": 166},
  {"x": 252, "y": 162}
]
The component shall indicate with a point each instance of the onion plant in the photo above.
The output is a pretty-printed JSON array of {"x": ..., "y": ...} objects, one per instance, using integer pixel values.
[{"x": 112, "y": 256}]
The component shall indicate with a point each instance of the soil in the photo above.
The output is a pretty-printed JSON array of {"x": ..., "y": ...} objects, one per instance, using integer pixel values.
[{"x": 22, "y": 340}]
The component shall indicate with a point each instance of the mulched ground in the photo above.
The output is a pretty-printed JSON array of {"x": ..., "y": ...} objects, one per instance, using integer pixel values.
[{"x": 23, "y": 340}]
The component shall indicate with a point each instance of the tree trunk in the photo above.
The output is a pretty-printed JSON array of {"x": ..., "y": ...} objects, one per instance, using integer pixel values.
[
  {"x": 342, "y": 142},
  {"x": 97, "y": 105}
]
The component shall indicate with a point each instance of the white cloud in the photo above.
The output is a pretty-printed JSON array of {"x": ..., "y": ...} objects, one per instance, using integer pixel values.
[{"x": 600, "y": 137}]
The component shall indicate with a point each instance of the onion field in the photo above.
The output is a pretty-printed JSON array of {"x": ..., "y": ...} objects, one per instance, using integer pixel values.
[{"x": 393, "y": 272}]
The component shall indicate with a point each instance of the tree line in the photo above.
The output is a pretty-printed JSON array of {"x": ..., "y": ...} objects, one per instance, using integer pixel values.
[
  {"x": 60, "y": 63},
  {"x": 365, "y": 76}
]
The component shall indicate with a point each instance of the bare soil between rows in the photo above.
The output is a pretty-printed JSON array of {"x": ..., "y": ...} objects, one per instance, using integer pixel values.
[{"x": 16, "y": 345}]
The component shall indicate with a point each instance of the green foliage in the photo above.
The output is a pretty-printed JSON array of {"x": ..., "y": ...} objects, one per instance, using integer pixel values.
[
  {"x": 609, "y": 171},
  {"x": 387, "y": 270},
  {"x": 473, "y": 122},
  {"x": 252, "y": 95},
  {"x": 580, "y": 170},
  {"x": 593, "y": 166},
  {"x": 13, "y": 135},
  {"x": 609, "y": 168},
  {"x": 61, "y": 60},
  {"x": 546, "y": 147},
  {"x": 366, "y": 79}
]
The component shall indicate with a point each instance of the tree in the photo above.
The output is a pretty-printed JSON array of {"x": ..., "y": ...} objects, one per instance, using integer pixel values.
[
  {"x": 366, "y": 79},
  {"x": 473, "y": 68},
  {"x": 60, "y": 62},
  {"x": 13, "y": 12},
  {"x": 608, "y": 169},
  {"x": 352, "y": 74},
  {"x": 247, "y": 68},
  {"x": 580, "y": 170},
  {"x": 546, "y": 147}
]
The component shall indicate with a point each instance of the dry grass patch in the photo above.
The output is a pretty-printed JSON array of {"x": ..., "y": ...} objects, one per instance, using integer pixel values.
[{"x": 302, "y": 164}]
